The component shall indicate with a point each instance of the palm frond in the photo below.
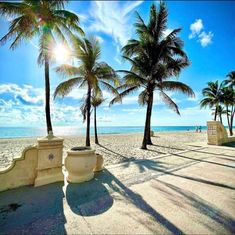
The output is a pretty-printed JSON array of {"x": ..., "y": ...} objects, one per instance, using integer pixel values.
[
  {"x": 66, "y": 87},
  {"x": 109, "y": 87},
  {"x": 143, "y": 97},
  {"x": 206, "y": 102},
  {"x": 168, "y": 101},
  {"x": 161, "y": 22},
  {"x": 12, "y": 9},
  {"x": 67, "y": 70},
  {"x": 177, "y": 86},
  {"x": 121, "y": 95}
]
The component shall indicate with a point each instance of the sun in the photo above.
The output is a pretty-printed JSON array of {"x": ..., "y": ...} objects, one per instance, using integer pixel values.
[{"x": 61, "y": 53}]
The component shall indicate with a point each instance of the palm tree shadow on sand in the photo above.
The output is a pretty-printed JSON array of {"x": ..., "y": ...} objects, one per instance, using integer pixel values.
[
  {"x": 184, "y": 197},
  {"x": 44, "y": 207},
  {"x": 101, "y": 199},
  {"x": 158, "y": 167}
]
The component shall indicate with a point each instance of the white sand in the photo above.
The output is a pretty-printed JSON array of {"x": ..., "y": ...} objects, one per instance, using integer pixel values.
[{"x": 115, "y": 148}]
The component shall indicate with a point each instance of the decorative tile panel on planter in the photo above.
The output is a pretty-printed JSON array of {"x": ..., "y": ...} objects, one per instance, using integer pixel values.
[{"x": 49, "y": 168}]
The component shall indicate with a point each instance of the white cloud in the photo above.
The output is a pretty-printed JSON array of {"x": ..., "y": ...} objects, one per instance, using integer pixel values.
[
  {"x": 205, "y": 38},
  {"x": 134, "y": 110},
  {"x": 24, "y": 105},
  {"x": 25, "y": 94},
  {"x": 100, "y": 39},
  {"x": 189, "y": 116},
  {"x": 157, "y": 100},
  {"x": 77, "y": 94},
  {"x": 196, "y": 28},
  {"x": 16, "y": 113},
  {"x": 118, "y": 55},
  {"x": 196, "y": 32},
  {"x": 167, "y": 32},
  {"x": 82, "y": 17},
  {"x": 113, "y": 19},
  {"x": 103, "y": 119}
]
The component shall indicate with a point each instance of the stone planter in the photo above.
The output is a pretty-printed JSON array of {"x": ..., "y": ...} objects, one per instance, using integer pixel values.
[
  {"x": 80, "y": 162},
  {"x": 151, "y": 133},
  {"x": 99, "y": 163}
]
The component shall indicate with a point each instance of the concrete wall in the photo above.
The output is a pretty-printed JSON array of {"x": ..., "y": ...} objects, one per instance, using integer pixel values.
[
  {"x": 22, "y": 170},
  {"x": 38, "y": 165},
  {"x": 217, "y": 134}
]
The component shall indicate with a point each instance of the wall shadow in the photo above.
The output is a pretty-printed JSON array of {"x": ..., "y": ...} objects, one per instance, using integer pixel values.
[{"x": 35, "y": 210}]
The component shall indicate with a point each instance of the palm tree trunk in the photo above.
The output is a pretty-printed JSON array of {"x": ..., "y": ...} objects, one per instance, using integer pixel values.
[
  {"x": 215, "y": 113},
  {"x": 147, "y": 123},
  {"x": 47, "y": 96},
  {"x": 149, "y": 141},
  {"x": 220, "y": 117},
  {"x": 231, "y": 121},
  {"x": 88, "y": 144},
  {"x": 231, "y": 130},
  {"x": 95, "y": 126},
  {"x": 227, "y": 113}
]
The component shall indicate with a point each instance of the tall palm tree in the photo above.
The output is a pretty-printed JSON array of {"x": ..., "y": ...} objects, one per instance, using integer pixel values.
[
  {"x": 96, "y": 101},
  {"x": 213, "y": 96},
  {"x": 154, "y": 57},
  {"x": 231, "y": 79},
  {"x": 89, "y": 73},
  {"x": 228, "y": 99},
  {"x": 45, "y": 20}
]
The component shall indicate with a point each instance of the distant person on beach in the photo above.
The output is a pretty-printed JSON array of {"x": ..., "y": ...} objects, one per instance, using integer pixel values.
[
  {"x": 196, "y": 128},
  {"x": 200, "y": 129}
]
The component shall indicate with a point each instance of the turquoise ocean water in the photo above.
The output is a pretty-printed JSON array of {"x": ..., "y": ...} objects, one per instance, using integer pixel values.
[{"x": 13, "y": 132}]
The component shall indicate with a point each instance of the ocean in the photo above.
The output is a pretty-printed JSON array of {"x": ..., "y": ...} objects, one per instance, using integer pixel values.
[{"x": 15, "y": 132}]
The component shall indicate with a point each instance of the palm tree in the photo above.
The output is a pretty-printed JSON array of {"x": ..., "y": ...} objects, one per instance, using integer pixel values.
[
  {"x": 46, "y": 20},
  {"x": 89, "y": 73},
  {"x": 220, "y": 111},
  {"x": 96, "y": 101},
  {"x": 231, "y": 79},
  {"x": 154, "y": 57},
  {"x": 228, "y": 99},
  {"x": 213, "y": 96}
]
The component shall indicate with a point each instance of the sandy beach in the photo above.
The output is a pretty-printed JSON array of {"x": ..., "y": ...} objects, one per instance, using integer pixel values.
[{"x": 115, "y": 148}]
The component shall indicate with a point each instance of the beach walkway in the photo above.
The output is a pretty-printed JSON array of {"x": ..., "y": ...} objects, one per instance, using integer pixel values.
[{"x": 191, "y": 191}]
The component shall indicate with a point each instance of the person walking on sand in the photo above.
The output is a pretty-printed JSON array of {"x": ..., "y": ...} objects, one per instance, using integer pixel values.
[
  {"x": 196, "y": 128},
  {"x": 200, "y": 129}
]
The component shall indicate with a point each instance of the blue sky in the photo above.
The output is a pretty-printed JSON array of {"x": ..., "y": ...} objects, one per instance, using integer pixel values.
[{"x": 209, "y": 36}]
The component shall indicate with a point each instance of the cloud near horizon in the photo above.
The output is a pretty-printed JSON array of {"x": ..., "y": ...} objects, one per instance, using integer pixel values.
[{"x": 24, "y": 105}]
